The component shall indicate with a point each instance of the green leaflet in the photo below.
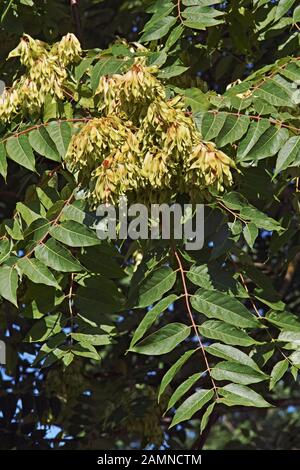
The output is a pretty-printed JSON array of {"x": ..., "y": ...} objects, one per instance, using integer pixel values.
[
  {"x": 3, "y": 161},
  {"x": 241, "y": 395},
  {"x": 99, "y": 295},
  {"x": 210, "y": 277},
  {"x": 155, "y": 285},
  {"x": 105, "y": 66},
  {"x": 162, "y": 341},
  {"x": 172, "y": 71},
  {"x": 202, "y": 22},
  {"x": 292, "y": 71},
  {"x": 94, "y": 339},
  {"x": 255, "y": 131},
  {"x": 221, "y": 331},
  {"x": 191, "y": 405},
  {"x": 237, "y": 202},
  {"x": 74, "y": 234},
  {"x": 150, "y": 317},
  {"x": 290, "y": 337},
  {"x": 206, "y": 416},
  {"x": 231, "y": 354},
  {"x": 196, "y": 99},
  {"x": 215, "y": 304},
  {"x": 278, "y": 372},
  {"x": 237, "y": 373},
  {"x": 211, "y": 124},
  {"x": 174, "y": 36},
  {"x": 57, "y": 257},
  {"x": 4, "y": 250},
  {"x": 170, "y": 374},
  {"x": 290, "y": 153},
  {"x": 284, "y": 320},
  {"x": 282, "y": 8},
  {"x": 77, "y": 212},
  {"x": 37, "y": 229},
  {"x": 182, "y": 389},
  {"x": 276, "y": 91},
  {"x": 42, "y": 143},
  {"x": 44, "y": 328},
  {"x": 232, "y": 130},
  {"x": 9, "y": 284},
  {"x": 60, "y": 133},
  {"x": 37, "y": 272},
  {"x": 19, "y": 150},
  {"x": 158, "y": 29},
  {"x": 268, "y": 144},
  {"x": 250, "y": 232},
  {"x": 101, "y": 260}
]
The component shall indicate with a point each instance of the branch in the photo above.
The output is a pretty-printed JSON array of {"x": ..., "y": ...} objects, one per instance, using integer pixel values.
[
  {"x": 289, "y": 275},
  {"x": 186, "y": 295},
  {"x": 76, "y": 18}
]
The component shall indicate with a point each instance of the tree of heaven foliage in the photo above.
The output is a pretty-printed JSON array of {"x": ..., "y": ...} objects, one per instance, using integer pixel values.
[{"x": 140, "y": 343}]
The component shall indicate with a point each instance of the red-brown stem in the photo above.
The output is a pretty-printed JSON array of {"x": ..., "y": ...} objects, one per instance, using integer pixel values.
[{"x": 188, "y": 307}]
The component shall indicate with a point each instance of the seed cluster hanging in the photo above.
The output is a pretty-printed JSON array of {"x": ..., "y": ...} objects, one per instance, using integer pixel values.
[
  {"x": 46, "y": 74},
  {"x": 144, "y": 146}
]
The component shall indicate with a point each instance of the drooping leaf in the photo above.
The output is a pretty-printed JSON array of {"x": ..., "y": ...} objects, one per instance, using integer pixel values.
[
  {"x": 255, "y": 131},
  {"x": 37, "y": 272},
  {"x": 250, "y": 232},
  {"x": 206, "y": 416},
  {"x": 158, "y": 29},
  {"x": 285, "y": 320},
  {"x": 19, "y": 150},
  {"x": 155, "y": 285},
  {"x": 60, "y": 133},
  {"x": 268, "y": 144},
  {"x": 151, "y": 317},
  {"x": 94, "y": 339},
  {"x": 215, "y": 304},
  {"x": 278, "y": 372},
  {"x": 211, "y": 124},
  {"x": 57, "y": 257},
  {"x": 74, "y": 234},
  {"x": 282, "y": 7},
  {"x": 241, "y": 395},
  {"x": 191, "y": 405},
  {"x": 106, "y": 66},
  {"x": 229, "y": 334},
  {"x": 237, "y": 373},
  {"x": 162, "y": 341},
  {"x": 174, "y": 36},
  {"x": 170, "y": 374},
  {"x": 42, "y": 143},
  {"x": 3, "y": 161},
  {"x": 9, "y": 284},
  {"x": 182, "y": 389},
  {"x": 288, "y": 154},
  {"x": 232, "y": 130},
  {"x": 44, "y": 328},
  {"x": 231, "y": 354}
]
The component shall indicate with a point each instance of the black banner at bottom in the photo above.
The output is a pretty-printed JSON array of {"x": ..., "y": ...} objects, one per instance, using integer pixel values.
[{"x": 134, "y": 459}]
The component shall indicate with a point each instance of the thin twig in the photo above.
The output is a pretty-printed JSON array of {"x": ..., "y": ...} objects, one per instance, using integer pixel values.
[
  {"x": 186, "y": 295},
  {"x": 76, "y": 18}
]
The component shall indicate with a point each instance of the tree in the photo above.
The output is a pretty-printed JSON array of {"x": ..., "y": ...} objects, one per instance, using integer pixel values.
[{"x": 204, "y": 107}]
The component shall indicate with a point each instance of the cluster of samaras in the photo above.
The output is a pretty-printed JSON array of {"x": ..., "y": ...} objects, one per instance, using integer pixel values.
[
  {"x": 144, "y": 146},
  {"x": 46, "y": 74}
]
